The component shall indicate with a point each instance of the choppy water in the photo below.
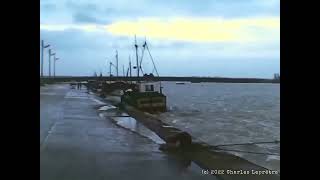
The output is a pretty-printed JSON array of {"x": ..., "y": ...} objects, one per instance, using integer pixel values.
[{"x": 224, "y": 113}]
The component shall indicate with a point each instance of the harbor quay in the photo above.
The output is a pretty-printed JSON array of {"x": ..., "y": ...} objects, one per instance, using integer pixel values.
[{"x": 76, "y": 143}]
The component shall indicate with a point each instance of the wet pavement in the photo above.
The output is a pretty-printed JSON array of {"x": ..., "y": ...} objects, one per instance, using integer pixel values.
[{"x": 77, "y": 143}]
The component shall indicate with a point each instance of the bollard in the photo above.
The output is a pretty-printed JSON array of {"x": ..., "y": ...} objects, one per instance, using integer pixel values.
[{"x": 179, "y": 140}]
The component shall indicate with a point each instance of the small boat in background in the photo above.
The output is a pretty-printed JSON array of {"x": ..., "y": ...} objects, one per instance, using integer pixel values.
[
  {"x": 195, "y": 81},
  {"x": 180, "y": 83}
]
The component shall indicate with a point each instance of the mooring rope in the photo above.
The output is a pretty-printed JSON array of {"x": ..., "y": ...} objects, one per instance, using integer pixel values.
[
  {"x": 250, "y": 152},
  {"x": 251, "y": 143},
  {"x": 217, "y": 147}
]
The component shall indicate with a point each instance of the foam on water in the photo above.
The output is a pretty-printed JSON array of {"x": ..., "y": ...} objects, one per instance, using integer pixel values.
[{"x": 220, "y": 113}]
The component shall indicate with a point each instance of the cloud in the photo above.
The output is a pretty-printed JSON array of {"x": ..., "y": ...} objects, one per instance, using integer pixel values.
[
  {"x": 199, "y": 29},
  {"x": 207, "y": 37},
  {"x": 185, "y": 29}
]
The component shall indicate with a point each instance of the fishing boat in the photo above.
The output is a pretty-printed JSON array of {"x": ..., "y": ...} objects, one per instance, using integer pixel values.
[
  {"x": 114, "y": 86},
  {"x": 147, "y": 94},
  {"x": 180, "y": 83}
]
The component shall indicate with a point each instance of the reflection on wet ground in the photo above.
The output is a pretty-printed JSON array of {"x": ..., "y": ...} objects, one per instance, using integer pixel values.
[
  {"x": 124, "y": 120},
  {"x": 180, "y": 163}
]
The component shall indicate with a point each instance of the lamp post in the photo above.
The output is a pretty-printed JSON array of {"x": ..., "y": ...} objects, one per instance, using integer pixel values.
[
  {"x": 42, "y": 48},
  {"x": 54, "y": 66},
  {"x": 50, "y": 54}
]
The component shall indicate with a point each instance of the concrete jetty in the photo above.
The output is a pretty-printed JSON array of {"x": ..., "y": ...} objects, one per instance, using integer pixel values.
[{"x": 75, "y": 143}]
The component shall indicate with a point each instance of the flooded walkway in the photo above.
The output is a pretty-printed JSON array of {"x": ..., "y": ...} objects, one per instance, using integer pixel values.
[{"x": 76, "y": 143}]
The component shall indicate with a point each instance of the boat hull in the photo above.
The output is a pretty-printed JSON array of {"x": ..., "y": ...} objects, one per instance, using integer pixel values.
[{"x": 145, "y": 101}]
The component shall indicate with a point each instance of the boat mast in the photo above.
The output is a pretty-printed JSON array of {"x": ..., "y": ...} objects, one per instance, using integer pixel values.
[
  {"x": 110, "y": 70},
  {"x": 130, "y": 66},
  {"x": 136, "y": 46},
  {"x": 110, "y": 64},
  {"x": 117, "y": 63},
  {"x": 123, "y": 71},
  {"x": 144, "y": 47}
]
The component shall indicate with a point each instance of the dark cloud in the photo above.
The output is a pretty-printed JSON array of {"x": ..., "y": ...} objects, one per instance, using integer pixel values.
[
  {"x": 106, "y": 12},
  {"x": 87, "y": 13},
  {"x": 48, "y": 7},
  {"x": 69, "y": 40},
  {"x": 81, "y": 17},
  {"x": 74, "y": 40}
]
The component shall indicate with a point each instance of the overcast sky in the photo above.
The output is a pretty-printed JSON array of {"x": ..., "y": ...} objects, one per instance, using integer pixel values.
[{"x": 230, "y": 38}]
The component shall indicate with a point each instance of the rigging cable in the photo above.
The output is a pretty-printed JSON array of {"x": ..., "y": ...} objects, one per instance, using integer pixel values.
[
  {"x": 142, "y": 54},
  {"x": 154, "y": 66}
]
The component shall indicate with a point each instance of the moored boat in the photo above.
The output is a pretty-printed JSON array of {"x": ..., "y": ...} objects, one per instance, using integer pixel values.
[{"x": 147, "y": 94}]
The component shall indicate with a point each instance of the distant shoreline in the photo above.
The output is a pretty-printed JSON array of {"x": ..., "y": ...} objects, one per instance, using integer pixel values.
[{"x": 167, "y": 78}]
